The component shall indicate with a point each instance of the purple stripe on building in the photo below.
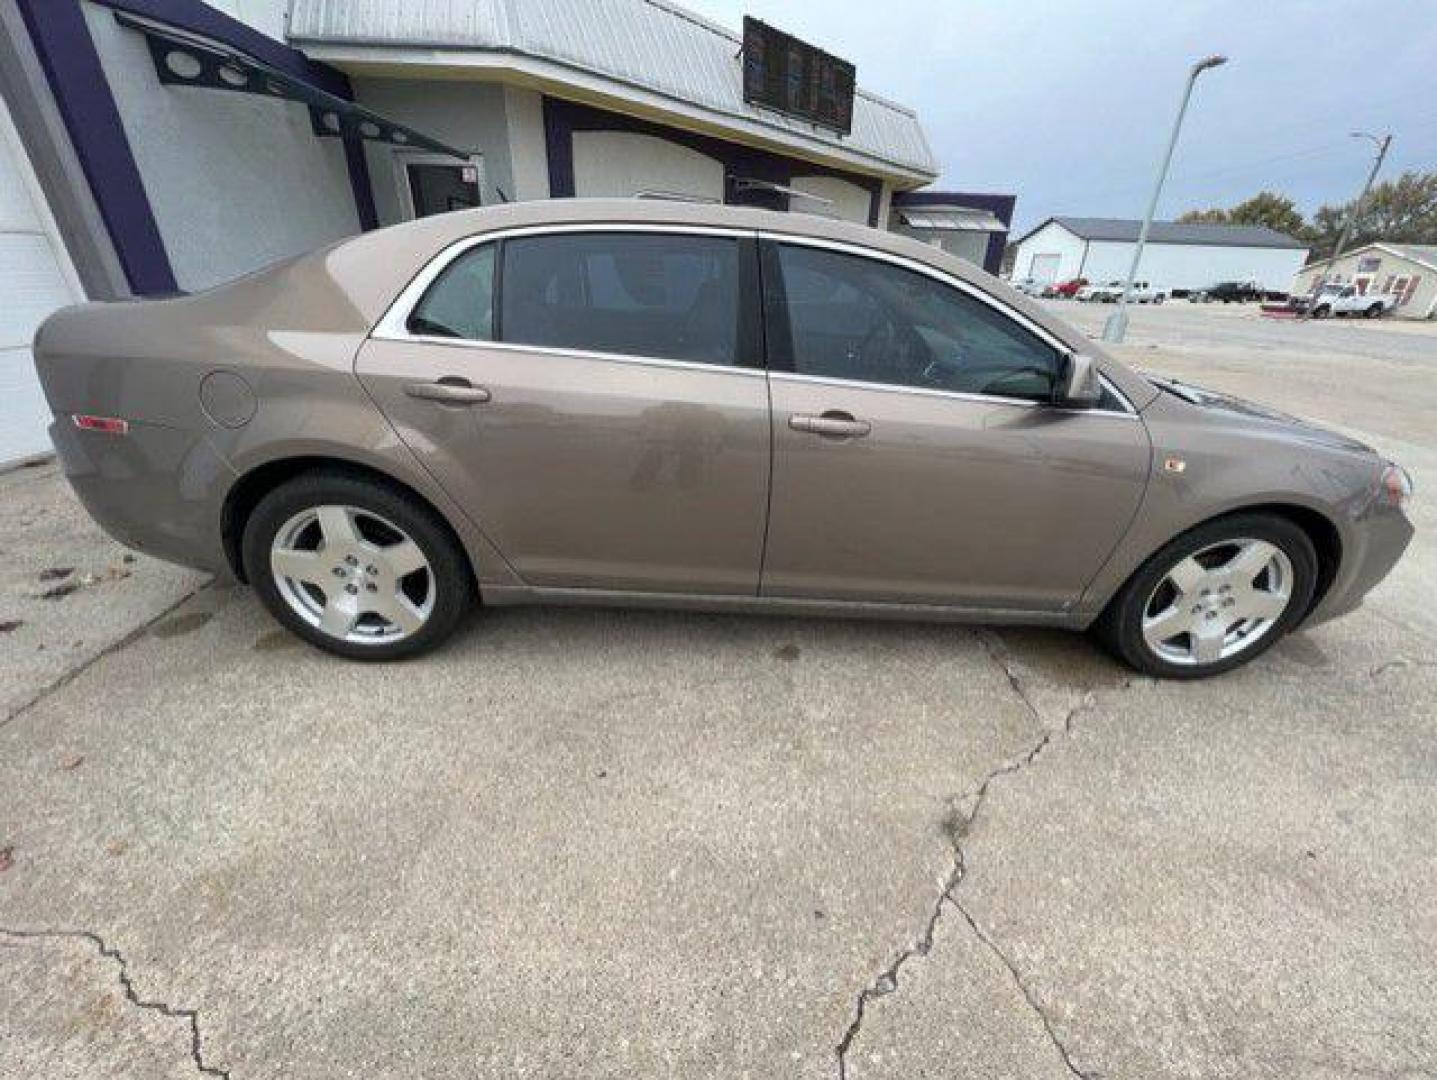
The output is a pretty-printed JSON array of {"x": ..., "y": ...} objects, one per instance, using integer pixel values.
[
  {"x": 72, "y": 67},
  {"x": 62, "y": 41}
]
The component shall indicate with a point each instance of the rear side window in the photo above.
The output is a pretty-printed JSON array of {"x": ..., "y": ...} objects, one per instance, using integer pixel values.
[
  {"x": 660, "y": 295},
  {"x": 460, "y": 303},
  {"x": 850, "y": 317}
]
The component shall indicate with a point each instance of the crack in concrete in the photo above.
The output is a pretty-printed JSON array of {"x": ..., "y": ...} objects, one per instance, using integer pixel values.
[
  {"x": 1398, "y": 664},
  {"x": 71, "y": 674},
  {"x": 190, "y": 1016},
  {"x": 957, "y": 826}
]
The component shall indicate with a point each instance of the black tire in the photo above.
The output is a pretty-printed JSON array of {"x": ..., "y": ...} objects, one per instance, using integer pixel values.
[
  {"x": 1322, "y": 311},
  {"x": 1119, "y": 628},
  {"x": 1374, "y": 310},
  {"x": 454, "y": 590}
]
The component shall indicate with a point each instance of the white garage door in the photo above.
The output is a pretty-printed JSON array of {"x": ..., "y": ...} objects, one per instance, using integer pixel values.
[
  {"x": 37, "y": 279},
  {"x": 1045, "y": 267}
]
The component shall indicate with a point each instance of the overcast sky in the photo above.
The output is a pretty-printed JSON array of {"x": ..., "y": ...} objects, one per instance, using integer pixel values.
[{"x": 1066, "y": 103}]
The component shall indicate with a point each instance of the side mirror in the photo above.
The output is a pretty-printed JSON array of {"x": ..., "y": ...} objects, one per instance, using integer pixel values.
[{"x": 1079, "y": 386}]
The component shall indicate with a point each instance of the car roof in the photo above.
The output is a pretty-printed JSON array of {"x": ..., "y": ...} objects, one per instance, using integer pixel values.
[{"x": 374, "y": 267}]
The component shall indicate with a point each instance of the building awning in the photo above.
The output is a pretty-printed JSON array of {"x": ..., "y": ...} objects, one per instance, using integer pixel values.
[
  {"x": 183, "y": 59},
  {"x": 951, "y": 219}
]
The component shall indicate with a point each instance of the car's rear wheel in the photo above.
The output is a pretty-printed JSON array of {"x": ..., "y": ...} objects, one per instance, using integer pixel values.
[
  {"x": 1374, "y": 310},
  {"x": 1214, "y": 598},
  {"x": 356, "y": 567}
]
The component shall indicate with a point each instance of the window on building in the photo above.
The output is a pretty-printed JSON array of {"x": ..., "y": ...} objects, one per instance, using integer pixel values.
[{"x": 642, "y": 294}]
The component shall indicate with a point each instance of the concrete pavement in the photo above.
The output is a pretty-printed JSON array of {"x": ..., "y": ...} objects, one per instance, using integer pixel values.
[{"x": 607, "y": 843}]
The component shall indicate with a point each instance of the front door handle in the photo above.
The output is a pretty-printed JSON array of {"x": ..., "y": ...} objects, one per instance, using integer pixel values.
[
  {"x": 450, "y": 390},
  {"x": 833, "y": 424}
]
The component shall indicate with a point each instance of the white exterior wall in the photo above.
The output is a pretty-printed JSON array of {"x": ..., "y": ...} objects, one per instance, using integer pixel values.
[
  {"x": 235, "y": 181},
  {"x": 620, "y": 164},
  {"x": 1051, "y": 239},
  {"x": 266, "y": 16},
  {"x": 38, "y": 279},
  {"x": 528, "y": 153},
  {"x": 850, "y": 202},
  {"x": 465, "y": 115},
  {"x": 1421, "y": 305},
  {"x": 1194, "y": 266}
]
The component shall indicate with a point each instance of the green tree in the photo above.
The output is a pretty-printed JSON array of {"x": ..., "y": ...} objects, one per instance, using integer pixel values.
[
  {"x": 1403, "y": 210},
  {"x": 1265, "y": 208}
]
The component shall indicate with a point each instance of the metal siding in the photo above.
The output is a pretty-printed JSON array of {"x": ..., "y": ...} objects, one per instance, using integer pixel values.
[
  {"x": 1192, "y": 266},
  {"x": 1178, "y": 232},
  {"x": 640, "y": 42}
]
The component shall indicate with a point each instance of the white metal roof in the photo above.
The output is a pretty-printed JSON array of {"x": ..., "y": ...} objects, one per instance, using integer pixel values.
[
  {"x": 645, "y": 45},
  {"x": 1200, "y": 233},
  {"x": 1422, "y": 254},
  {"x": 951, "y": 219}
]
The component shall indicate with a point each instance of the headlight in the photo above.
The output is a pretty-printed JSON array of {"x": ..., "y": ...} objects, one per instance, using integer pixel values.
[{"x": 1395, "y": 487}]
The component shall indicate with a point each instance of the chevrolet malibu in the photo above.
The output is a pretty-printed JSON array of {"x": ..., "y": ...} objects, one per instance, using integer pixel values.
[{"x": 667, "y": 404}]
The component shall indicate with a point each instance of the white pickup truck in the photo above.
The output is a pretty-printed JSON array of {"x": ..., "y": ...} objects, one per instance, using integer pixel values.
[
  {"x": 1094, "y": 291},
  {"x": 1337, "y": 299},
  {"x": 1112, "y": 292}
]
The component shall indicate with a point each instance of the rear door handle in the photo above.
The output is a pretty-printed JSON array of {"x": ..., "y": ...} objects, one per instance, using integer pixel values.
[
  {"x": 834, "y": 424},
  {"x": 449, "y": 390}
]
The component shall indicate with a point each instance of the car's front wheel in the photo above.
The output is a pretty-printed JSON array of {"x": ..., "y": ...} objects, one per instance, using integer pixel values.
[
  {"x": 356, "y": 566},
  {"x": 1214, "y": 598}
]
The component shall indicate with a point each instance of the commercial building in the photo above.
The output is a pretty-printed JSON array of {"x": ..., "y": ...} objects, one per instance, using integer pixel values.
[
  {"x": 1179, "y": 256},
  {"x": 1406, "y": 271},
  {"x": 149, "y": 147},
  {"x": 971, "y": 225}
]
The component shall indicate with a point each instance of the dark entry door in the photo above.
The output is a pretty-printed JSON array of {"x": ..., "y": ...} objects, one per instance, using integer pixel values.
[{"x": 438, "y": 189}]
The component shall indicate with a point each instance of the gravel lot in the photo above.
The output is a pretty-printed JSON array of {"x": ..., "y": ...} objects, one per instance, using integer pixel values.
[{"x": 586, "y": 843}]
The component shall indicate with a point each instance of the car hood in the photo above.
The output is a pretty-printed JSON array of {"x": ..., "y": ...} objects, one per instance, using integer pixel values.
[{"x": 1241, "y": 408}]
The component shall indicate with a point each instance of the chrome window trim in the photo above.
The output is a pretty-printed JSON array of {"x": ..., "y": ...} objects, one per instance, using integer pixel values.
[
  {"x": 583, "y": 354},
  {"x": 957, "y": 395},
  {"x": 968, "y": 289},
  {"x": 394, "y": 324}
]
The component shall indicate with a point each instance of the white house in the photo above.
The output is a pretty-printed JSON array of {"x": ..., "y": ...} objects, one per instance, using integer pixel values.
[
  {"x": 1178, "y": 255},
  {"x": 1406, "y": 271}
]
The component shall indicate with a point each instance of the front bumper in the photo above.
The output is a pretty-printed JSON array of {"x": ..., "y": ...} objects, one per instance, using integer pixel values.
[
  {"x": 1377, "y": 540},
  {"x": 153, "y": 489}
]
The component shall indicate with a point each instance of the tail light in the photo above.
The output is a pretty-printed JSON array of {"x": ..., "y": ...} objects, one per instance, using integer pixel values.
[
  {"x": 1395, "y": 487},
  {"x": 106, "y": 425}
]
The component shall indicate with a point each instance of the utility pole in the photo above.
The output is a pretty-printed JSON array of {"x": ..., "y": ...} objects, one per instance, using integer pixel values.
[
  {"x": 1382, "y": 143},
  {"x": 1117, "y": 324}
]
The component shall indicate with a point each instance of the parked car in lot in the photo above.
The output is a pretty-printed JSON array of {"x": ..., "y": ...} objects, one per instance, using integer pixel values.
[
  {"x": 665, "y": 404},
  {"x": 1065, "y": 290},
  {"x": 1093, "y": 292},
  {"x": 1228, "y": 292},
  {"x": 1029, "y": 286},
  {"x": 1342, "y": 300},
  {"x": 1145, "y": 293}
]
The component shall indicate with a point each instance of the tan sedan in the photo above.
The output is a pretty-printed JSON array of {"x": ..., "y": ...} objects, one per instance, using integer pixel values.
[{"x": 632, "y": 402}]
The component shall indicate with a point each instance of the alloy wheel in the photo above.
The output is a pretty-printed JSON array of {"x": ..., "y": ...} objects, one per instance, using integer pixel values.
[
  {"x": 1218, "y": 602},
  {"x": 353, "y": 575}
]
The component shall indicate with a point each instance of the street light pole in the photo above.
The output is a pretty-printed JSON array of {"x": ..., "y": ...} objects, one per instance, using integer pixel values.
[
  {"x": 1117, "y": 324},
  {"x": 1382, "y": 143}
]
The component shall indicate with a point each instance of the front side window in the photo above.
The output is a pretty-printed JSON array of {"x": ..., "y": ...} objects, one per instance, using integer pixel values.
[
  {"x": 850, "y": 317},
  {"x": 661, "y": 295},
  {"x": 460, "y": 303}
]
